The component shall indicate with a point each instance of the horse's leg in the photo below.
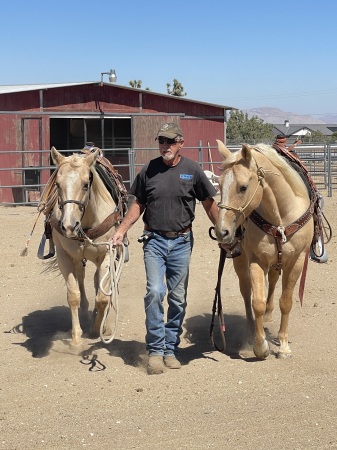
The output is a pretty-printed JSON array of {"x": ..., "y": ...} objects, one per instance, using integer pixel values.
[
  {"x": 289, "y": 280},
  {"x": 241, "y": 267},
  {"x": 84, "y": 302},
  {"x": 101, "y": 300},
  {"x": 257, "y": 275},
  {"x": 273, "y": 276},
  {"x": 73, "y": 293}
]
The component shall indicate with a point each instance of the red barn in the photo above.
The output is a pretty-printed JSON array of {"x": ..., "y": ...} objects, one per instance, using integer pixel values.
[{"x": 33, "y": 118}]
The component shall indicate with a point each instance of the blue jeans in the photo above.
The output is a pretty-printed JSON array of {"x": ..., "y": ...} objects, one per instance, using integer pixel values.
[{"x": 166, "y": 258}]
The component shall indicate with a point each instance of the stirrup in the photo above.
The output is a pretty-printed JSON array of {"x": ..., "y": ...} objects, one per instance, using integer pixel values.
[
  {"x": 317, "y": 252},
  {"x": 40, "y": 252}
]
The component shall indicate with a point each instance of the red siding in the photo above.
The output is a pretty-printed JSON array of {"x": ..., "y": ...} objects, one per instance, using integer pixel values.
[{"x": 199, "y": 121}]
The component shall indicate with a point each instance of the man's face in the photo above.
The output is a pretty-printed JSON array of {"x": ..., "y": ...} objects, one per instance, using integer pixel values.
[{"x": 169, "y": 148}]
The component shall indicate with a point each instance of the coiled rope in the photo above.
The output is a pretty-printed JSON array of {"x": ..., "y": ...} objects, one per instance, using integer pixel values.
[{"x": 113, "y": 274}]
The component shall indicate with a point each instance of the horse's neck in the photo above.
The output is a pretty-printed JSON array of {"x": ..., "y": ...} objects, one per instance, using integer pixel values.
[
  {"x": 97, "y": 210},
  {"x": 280, "y": 205}
]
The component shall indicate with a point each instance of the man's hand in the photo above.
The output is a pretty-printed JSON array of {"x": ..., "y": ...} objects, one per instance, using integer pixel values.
[{"x": 117, "y": 238}]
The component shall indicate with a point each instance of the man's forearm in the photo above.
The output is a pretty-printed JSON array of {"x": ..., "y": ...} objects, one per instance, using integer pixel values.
[
  {"x": 211, "y": 209},
  {"x": 133, "y": 214}
]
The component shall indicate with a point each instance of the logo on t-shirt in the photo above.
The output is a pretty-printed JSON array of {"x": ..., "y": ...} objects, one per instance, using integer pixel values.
[{"x": 186, "y": 176}]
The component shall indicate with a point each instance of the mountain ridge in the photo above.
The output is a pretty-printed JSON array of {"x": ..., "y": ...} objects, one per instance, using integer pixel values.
[{"x": 276, "y": 116}]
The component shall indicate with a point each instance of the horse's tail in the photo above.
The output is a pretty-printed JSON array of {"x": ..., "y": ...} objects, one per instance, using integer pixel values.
[{"x": 51, "y": 266}]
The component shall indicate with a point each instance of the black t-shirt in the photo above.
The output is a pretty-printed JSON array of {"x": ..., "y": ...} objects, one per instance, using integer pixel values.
[{"x": 169, "y": 193}]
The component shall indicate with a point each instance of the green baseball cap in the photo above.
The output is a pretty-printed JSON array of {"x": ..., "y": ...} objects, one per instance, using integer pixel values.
[{"x": 169, "y": 130}]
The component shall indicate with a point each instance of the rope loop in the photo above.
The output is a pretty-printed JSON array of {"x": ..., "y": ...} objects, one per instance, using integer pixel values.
[{"x": 112, "y": 277}]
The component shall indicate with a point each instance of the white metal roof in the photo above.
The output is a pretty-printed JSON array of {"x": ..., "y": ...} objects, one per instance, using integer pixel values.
[{"x": 33, "y": 87}]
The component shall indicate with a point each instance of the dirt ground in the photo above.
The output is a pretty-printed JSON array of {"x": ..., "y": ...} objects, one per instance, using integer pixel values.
[{"x": 102, "y": 398}]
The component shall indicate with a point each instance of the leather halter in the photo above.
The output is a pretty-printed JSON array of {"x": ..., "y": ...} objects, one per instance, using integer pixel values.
[
  {"x": 81, "y": 205},
  {"x": 91, "y": 233},
  {"x": 87, "y": 233}
]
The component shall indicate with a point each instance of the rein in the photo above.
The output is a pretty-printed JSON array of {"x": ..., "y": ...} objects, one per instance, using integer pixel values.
[{"x": 217, "y": 306}]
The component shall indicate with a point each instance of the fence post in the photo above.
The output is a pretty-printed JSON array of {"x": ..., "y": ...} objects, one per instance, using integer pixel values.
[
  {"x": 132, "y": 171},
  {"x": 329, "y": 171},
  {"x": 200, "y": 155}
]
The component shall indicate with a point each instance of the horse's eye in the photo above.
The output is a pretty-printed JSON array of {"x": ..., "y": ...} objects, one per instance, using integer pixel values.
[
  {"x": 243, "y": 189},
  {"x": 86, "y": 186}
]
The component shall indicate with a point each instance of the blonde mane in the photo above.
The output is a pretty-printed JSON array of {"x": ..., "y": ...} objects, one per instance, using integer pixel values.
[{"x": 291, "y": 176}]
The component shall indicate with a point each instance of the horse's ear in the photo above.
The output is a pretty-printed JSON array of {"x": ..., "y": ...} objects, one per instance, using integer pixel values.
[
  {"x": 223, "y": 149},
  {"x": 246, "y": 152},
  {"x": 56, "y": 156},
  {"x": 91, "y": 158}
]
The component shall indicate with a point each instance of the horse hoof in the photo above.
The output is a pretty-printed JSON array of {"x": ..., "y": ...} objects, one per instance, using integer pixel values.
[
  {"x": 263, "y": 351},
  {"x": 283, "y": 355}
]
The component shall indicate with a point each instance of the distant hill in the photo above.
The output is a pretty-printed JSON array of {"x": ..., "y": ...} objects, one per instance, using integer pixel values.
[
  {"x": 277, "y": 116},
  {"x": 330, "y": 118}
]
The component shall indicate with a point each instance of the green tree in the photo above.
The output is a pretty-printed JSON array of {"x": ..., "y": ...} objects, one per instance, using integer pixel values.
[
  {"x": 136, "y": 84},
  {"x": 315, "y": 136},
  {"x": 177, "y": 89},
  {"x": 241, "y": 129},
  {"x": 333, "y": 138}
]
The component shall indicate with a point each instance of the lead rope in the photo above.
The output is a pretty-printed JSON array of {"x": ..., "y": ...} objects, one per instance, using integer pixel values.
[
  {"x": 115, "y": 270},
  {"x": 113, "y": 273},
  {"x": 217, "y": 305}
]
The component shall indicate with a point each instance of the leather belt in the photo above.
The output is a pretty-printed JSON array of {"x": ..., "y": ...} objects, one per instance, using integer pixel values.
[{"x": 170, "y": 234}]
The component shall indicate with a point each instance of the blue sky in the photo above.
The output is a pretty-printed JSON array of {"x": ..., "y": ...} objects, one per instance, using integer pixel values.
[{"x": 245, "y": 54}]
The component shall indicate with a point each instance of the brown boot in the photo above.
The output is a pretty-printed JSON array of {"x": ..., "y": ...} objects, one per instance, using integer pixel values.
[
  {"x": 171, "y": 362},
  {"x": 155, "y": 366}
]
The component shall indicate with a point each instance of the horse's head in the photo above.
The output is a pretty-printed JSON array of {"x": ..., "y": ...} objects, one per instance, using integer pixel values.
[
  {"x": 240, "y": 191},
  {"x": 73, "y": 182}
]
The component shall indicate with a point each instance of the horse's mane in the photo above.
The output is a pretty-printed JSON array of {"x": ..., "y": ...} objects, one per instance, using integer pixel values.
[{"x": 291, "y": 176}]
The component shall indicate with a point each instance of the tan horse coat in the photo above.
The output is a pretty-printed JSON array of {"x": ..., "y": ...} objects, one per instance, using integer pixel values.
[
  {"x": 83, "y": 202},
  {"x": 257, "y": 178}
]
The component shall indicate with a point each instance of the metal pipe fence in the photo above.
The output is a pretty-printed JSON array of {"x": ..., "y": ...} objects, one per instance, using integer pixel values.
[{"x": 23, "y": 185}]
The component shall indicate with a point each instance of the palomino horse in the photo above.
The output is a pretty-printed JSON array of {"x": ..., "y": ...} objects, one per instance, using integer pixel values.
[
  {"x": 82, "y": 220},
  {"x": 264, "y": 200}
]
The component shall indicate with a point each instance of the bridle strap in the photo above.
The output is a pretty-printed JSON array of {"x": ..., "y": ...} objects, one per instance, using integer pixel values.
[{"x": 80, "y": 204}]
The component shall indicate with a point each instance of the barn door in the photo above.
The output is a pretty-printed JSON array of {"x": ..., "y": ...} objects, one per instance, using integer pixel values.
[{"x": 31, "y": 130}]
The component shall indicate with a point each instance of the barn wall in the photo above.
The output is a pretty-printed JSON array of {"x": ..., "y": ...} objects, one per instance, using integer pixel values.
[
  {"x": 20, "y": 101},
  {"x": 148, "y": 111}
]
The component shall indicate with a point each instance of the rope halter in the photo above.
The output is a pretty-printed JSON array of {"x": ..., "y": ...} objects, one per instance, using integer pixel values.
[{"x": 261, "y": 173}]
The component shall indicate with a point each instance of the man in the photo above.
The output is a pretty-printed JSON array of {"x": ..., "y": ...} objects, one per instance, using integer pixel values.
[{"x": 166, "y": 190}]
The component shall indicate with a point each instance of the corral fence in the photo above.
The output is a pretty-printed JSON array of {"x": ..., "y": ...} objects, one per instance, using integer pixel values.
[{"x": 320, "y": 160}]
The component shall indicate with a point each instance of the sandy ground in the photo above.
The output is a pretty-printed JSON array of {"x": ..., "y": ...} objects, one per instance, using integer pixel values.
[{"x": 102, "y": 398}]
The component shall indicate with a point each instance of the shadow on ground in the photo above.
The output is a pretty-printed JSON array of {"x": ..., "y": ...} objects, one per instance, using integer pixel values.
[
  {"x": 238, "y": 340},
  {"x": 44, "y": 328}
]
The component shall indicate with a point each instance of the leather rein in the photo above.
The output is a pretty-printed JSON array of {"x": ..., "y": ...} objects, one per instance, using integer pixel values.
[{"x": 89, "y": 233}]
